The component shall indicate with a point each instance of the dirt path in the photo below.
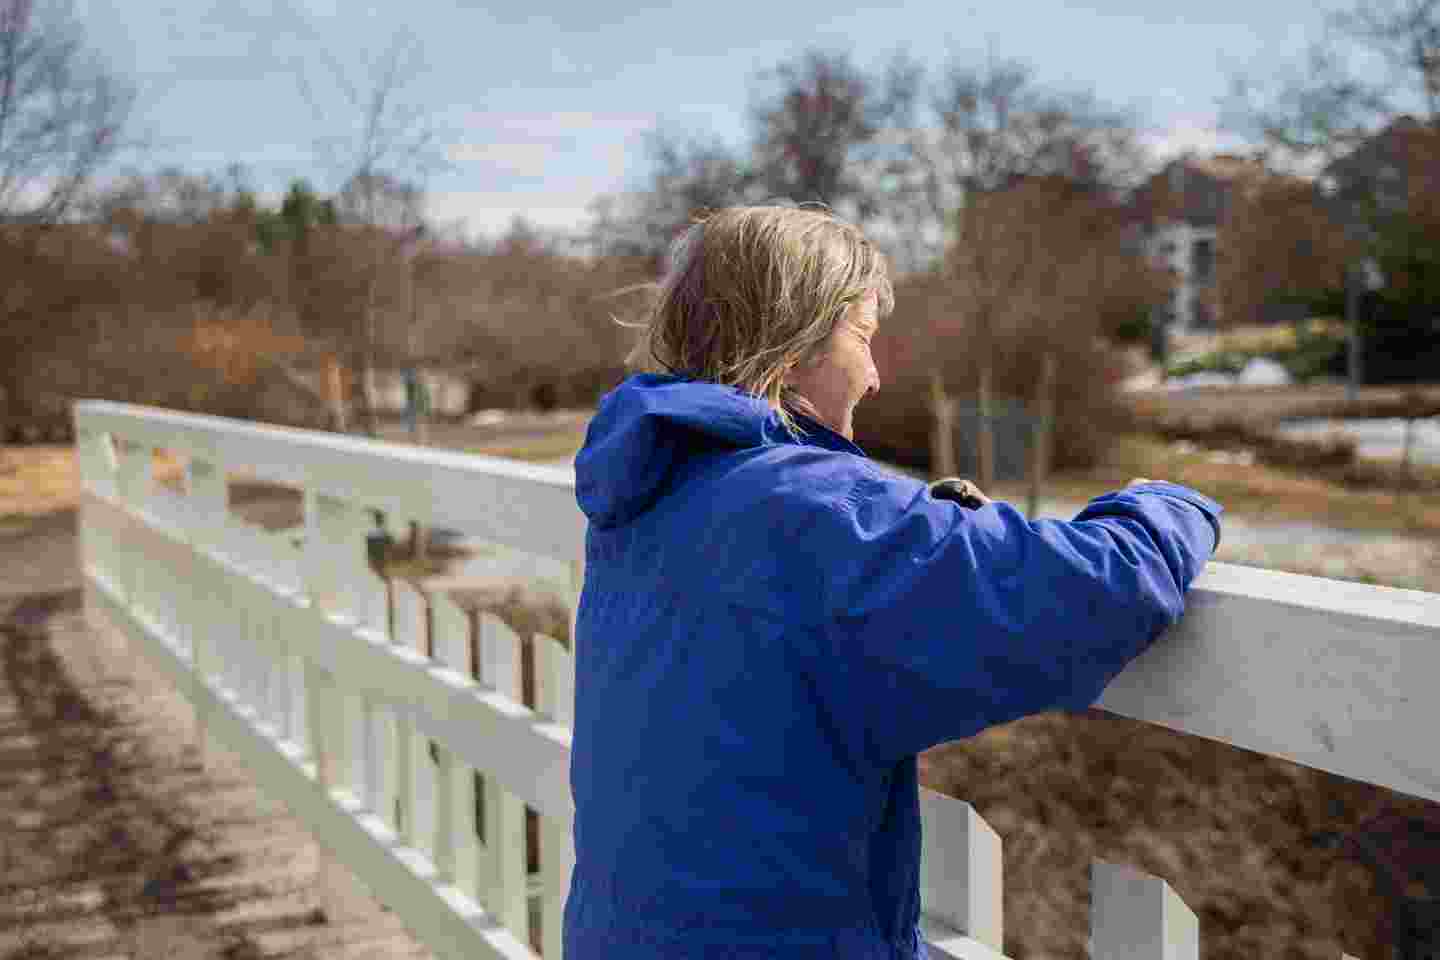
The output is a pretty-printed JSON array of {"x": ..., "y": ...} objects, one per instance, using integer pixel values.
[{"x": 114, "y": 842}]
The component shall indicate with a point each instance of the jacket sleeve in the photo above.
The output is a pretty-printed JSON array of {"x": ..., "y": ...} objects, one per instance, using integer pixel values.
[{"x": 941, "y": 621}]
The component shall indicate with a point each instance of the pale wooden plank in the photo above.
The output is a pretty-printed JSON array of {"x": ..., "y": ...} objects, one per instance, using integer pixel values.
[
  {"x": 504, "y": 812},
  {"x": 557, "y": 863},
  {"x": 529, "y": 507},
  {"x": 408, "y": 621},
  {"x": 453, "y": 928},
  {"x": 488, "y": 729},
  {"x": 1136, "y": 916},
  {"x": 961, "y": 871},
  {"x": 96, "y": 460},
  {"x": 330, "y": 734},
  {"x": 415, "y": 783},
  {"x": 457, "y": 842},
  {"x": 200, "y": 617},
  {"x": 1355, "y": 663},
  {"x": 945, "y": 943},
  {"x": 555, "y": 700},
  {"x": 554, "y": 680}
]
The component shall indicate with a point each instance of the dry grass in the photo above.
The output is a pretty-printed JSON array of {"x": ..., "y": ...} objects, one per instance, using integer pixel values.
[
  {"x": 44, "y": 478},
  {"x": 36, "y": 480},
  {"x": 562, "y": 444},
  {"x": 1252, "y": 339},
  {"x": 1255, "y": 492},
  {"x": 1262, "y": 407}
]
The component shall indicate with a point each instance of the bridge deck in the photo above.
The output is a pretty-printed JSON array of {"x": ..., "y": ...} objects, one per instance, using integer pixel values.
[{"x": 114, "y": 842}]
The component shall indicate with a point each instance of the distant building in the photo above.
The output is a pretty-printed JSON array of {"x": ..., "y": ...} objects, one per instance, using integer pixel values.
[
  {"x": 449, "y": 393},
  {"x": 1180, "y": 210},
  {"x": 1387, "y": 171}
]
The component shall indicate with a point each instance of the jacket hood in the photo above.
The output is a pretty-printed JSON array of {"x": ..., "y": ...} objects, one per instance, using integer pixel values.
[{"x": 650, "y": 424}]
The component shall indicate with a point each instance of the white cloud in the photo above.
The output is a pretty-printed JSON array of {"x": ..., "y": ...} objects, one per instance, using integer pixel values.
[
  {"x": 520, "y": 159},
  {"x": 553, "y": 124},
  {"x": 1199, "y": 135},
  {"x": 492, "y": 211},
  {"x": 1203, "y": 137}
]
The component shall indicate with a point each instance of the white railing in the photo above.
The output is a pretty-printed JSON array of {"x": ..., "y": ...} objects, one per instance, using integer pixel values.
[{"x": 390, "y": 718}]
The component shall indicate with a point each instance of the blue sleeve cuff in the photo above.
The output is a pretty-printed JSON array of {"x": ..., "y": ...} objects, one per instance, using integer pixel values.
[{"x": 1211, "y": 509}]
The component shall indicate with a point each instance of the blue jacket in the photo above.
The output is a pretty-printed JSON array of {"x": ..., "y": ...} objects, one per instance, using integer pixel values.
[{"x": 771, "y": 629}]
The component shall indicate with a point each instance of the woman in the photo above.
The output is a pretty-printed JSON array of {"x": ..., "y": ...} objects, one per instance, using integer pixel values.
[{"x": 772, "y": 626}]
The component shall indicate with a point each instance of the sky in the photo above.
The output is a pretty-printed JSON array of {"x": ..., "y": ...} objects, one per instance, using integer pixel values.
[{"x": 539, "y": 107}]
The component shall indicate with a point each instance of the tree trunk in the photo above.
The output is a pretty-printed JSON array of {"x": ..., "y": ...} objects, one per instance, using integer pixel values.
[
  {"x": 420, "y": 436},
  {"x": 420, "y": 412},
  {"x": 942, "y": 438},
  {"x": 985, "y": 434},
  {"x": 1353, "y": 341},
  {"x": 1405, "y": 458},
  {"x": 367, "y": 375},
  {"x": 1042, "y": 432},
  {"x": 334, "y": 394},
  {"x": 4, "y": 429}
]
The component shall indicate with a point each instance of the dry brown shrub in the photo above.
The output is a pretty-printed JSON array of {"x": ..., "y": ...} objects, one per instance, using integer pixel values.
[
  {"x": 1237, "y": 834},
  {"x": 895, "y": 424},
  {"x": 239, "y": 344}
]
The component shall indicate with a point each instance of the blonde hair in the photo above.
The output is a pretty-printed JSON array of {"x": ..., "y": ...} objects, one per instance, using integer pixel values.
[{"x": 752, "y": 291}]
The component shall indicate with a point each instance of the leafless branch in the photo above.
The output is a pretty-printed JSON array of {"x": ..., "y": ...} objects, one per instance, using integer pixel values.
[{"x": 61, "y": 112}]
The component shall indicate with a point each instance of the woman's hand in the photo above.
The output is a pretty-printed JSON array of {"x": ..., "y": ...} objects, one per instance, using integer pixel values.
[{"x": 961, "y": 491}]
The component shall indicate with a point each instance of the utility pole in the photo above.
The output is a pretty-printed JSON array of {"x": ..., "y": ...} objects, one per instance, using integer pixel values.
[
  {"x": 1352, "y": 323},
  {"x": 417, "y": 394},
  {"x": 1042, "y": 431}
]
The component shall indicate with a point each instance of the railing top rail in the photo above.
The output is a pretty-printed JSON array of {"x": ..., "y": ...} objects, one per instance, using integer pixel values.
[
  {"x": 526, "y": 506},
  {"x": 1331, "y": 674},
  {"x": 1334, "y": 675},
  {"x": 1347, "y": 598}
]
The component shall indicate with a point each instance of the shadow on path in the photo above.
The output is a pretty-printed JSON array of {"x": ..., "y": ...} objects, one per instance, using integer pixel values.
[{"x": 99, "y": 827}]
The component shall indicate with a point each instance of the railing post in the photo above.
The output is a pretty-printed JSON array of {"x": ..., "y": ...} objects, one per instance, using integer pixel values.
[
  {"x": 1136, "y": 916},
  {"x": 555, "y": 700},
  {"x": 134, "y": 477},
  {"x": 412, "y": 786},
  {"x": 577, "y": 586},
  {"x": 207, "y": 503},
  {"x": 339, "y": 588},
  {"x": 457, "y": 840},
  {"x": 97, "y": 464},
  {"x": 95, "y": 457},
  {"x": 961, "y": 875},
  {"x": 505, "y": 844}
]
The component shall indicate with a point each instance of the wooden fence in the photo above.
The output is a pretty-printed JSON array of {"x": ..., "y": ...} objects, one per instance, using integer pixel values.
[{"x": 426, "y": 744}]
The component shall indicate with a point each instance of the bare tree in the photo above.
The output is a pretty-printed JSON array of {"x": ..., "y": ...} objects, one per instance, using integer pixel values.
[
  {"x": 1040, "y": 262},
  {"x": 824, "y": 129},
  {"x": 688, "y": 176},
  {"x": 1279, "y": 242},
  {"x": 807, "y": 127},
  {"x": 382, "y": 161},
  {"x": 1316, "y": 108},
  {"x": 1406, "y": 35},
  {"x": 1324, "y": 104},
  {"x": 995, "y": 244},
  {"x": 61, "y": 112},
  {"x": 1005, "y": 163},
  {"x": 391, "y": 213},
  {"x": 61, "y": 116}
]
